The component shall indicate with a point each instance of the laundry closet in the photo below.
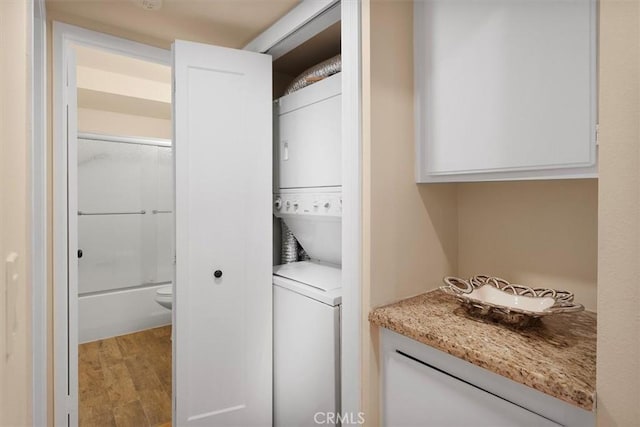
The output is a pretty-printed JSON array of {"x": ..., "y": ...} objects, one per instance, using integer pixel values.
[{"x": 307, "y": 202}]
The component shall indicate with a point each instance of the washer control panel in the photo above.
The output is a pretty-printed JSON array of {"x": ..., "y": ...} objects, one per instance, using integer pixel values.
[{"x": 308, "y": 203}]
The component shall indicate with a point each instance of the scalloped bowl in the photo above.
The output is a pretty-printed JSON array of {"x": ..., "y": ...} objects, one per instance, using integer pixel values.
[
  {"x": 495, "y": 296},
  {"x": 513, "y": 304}
]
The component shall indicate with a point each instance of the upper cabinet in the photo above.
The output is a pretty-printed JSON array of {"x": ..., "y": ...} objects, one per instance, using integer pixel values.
[{"x": 505, "y": 89}]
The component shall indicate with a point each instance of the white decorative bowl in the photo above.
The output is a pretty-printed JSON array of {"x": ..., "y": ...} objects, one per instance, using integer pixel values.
[{"x": 510, "y": 303}]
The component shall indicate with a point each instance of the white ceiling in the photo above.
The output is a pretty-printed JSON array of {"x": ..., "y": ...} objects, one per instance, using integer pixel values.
[{"x": 231, "y": 23}]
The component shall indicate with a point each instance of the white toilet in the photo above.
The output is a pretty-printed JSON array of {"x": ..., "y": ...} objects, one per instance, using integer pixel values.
[{"x": 164, "y": 296}]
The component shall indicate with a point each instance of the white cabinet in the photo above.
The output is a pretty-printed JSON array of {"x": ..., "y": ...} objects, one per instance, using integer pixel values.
[
  {"x": 417, "y": 394},
  {"x": 505, "y": 89},
  {"x": 422, "y": 386}
]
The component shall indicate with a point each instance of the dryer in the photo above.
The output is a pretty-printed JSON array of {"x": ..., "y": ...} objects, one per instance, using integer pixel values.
[{"x": 308, "y": 136}]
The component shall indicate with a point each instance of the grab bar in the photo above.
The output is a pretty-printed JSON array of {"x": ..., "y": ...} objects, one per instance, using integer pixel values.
[
  {"x": 155, "y": 211},
  {"x": 142, "y": 212}
]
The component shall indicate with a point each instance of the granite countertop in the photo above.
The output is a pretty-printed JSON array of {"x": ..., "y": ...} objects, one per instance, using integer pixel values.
[{"x": 557, "y": 357}]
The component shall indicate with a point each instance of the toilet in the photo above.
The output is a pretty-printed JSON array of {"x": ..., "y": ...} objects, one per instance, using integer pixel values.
[{"x": 164, "y": 296}]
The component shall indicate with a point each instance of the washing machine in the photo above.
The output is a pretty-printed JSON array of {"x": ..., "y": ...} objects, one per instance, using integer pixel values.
[
  {"x": 306, "y": 311},
  {"x": 306, "y": 344}
]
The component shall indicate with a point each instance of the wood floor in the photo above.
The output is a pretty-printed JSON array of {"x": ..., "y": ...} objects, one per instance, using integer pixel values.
[{"x": 126, "y": 380}]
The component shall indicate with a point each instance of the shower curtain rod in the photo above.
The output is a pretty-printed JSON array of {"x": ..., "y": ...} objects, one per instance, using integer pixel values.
[
  {"x": 158, "y": 142},
  {"x": 82, "y": 213}
]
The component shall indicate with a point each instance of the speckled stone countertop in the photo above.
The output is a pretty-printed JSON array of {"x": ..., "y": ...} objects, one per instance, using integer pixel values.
[{"x": 557, "y": 357}]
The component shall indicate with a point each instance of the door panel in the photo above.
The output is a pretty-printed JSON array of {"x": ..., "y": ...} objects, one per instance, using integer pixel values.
[{"x": 223, "y": 160}]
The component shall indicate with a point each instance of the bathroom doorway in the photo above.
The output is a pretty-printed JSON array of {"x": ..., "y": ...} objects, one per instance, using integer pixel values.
[{"x": 125, "y": 239}]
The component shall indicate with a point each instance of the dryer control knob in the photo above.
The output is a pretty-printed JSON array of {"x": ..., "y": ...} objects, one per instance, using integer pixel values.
[
  {"x": 278, "y": 203},
  {"x": 316, "y": 204},
  {"x": 287, "y": 204},
  {"x": 295, "y": 205},
  {"x": 327, "y": 205}
]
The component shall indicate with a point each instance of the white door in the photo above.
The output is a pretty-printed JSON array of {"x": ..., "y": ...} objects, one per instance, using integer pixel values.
[{"x": 223, "y": 160}]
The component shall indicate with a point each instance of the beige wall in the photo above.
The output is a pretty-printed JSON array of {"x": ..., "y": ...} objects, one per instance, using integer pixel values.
[
  {"x": 119, "y": 95},
  {"x": 15, "y": 370},
  {"x": 115, "y": 83},
  {"x": 110, "y": 123},
  {"x": 618, "y": 370},
  {"x": 538, "y": 233},
  {"x": 410, "y": 231}
]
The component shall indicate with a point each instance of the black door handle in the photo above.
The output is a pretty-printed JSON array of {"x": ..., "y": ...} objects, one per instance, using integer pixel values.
[
  {"x": 79, "y": 253},
  {"x": 217, "y": 274}
]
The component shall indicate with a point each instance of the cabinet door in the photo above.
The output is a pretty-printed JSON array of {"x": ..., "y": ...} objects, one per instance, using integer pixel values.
[
  {"x": 506, "y": 89},
  {"x": 222, "y": 299},
  {"x": 415, "y": 394}
]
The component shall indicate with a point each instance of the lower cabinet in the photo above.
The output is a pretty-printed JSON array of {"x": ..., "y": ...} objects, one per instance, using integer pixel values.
[
  {"x": 422, "y": 386},
  {"x": 417, "y": 394}
]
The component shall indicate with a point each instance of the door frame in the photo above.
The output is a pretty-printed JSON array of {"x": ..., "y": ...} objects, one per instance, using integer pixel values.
[
  {"x": 38, "y": 219},
  {"x": 64, "y": 36},
  {"x": 352, "y": 316},
  {"x": 64, "y": 305}
]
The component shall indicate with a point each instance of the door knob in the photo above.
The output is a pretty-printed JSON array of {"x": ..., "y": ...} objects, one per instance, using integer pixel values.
[
  {"x": 217, "y": 274},
  {"x": 79, "y": 253}
]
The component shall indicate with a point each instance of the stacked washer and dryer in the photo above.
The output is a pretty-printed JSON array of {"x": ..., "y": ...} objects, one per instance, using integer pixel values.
[{"x": 307, "y": 294}]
